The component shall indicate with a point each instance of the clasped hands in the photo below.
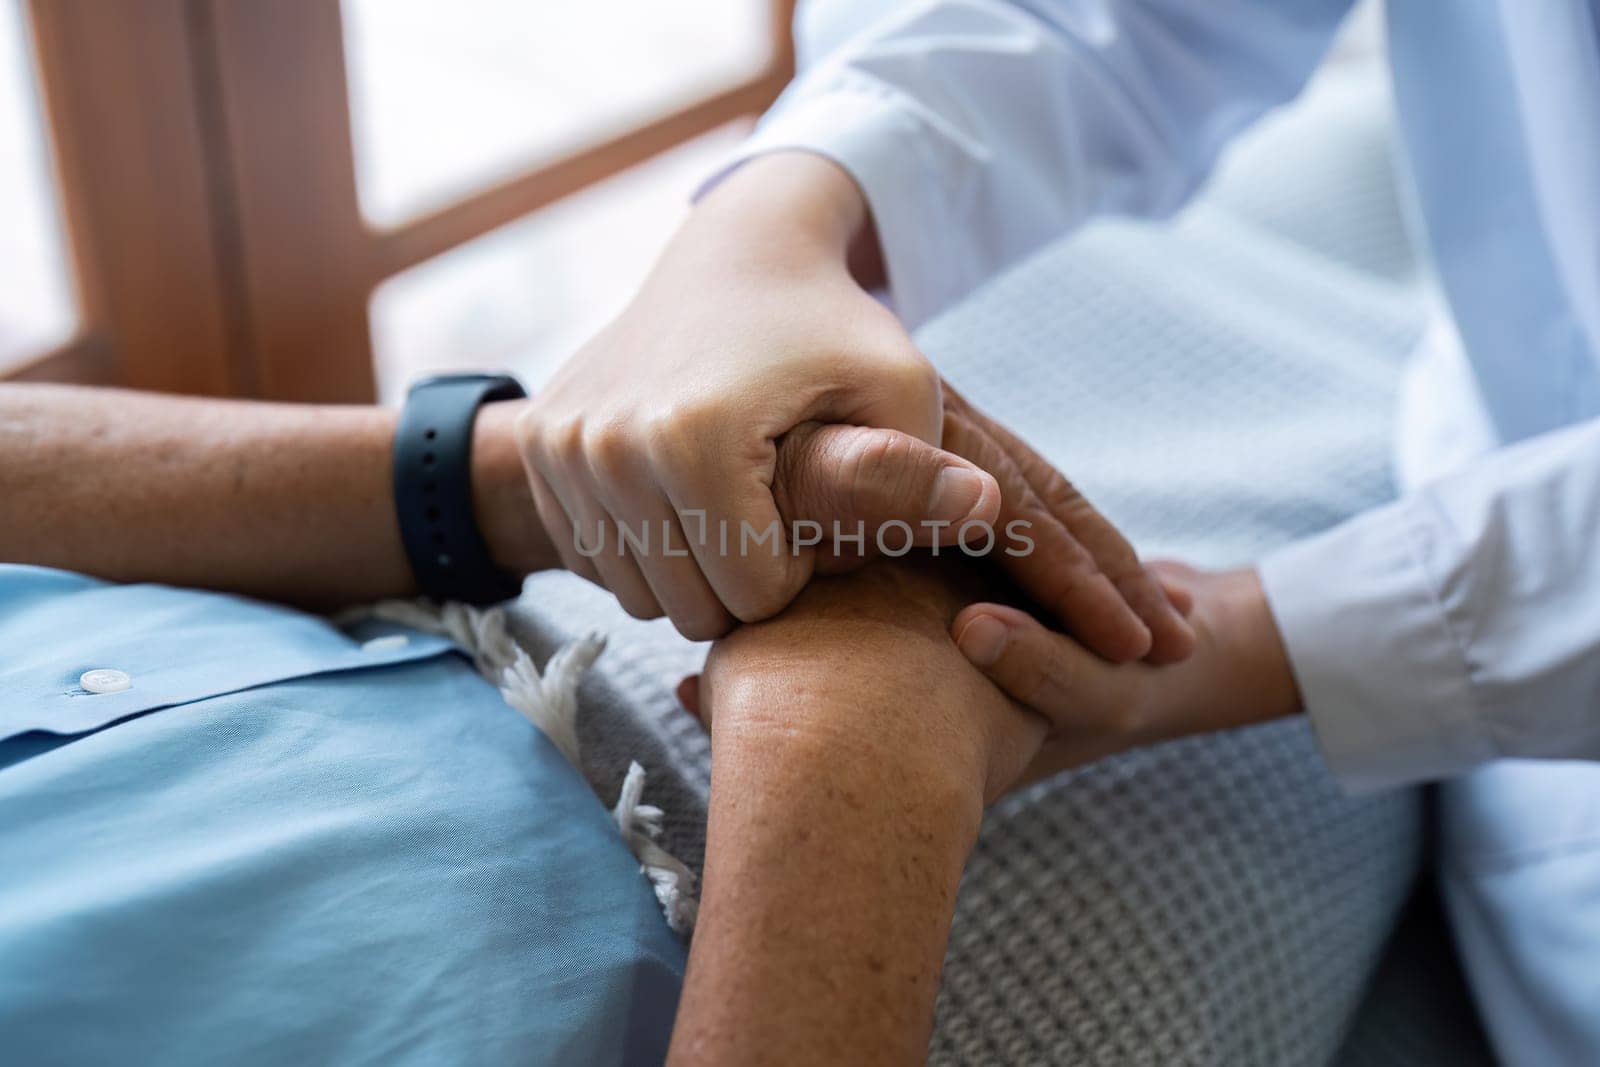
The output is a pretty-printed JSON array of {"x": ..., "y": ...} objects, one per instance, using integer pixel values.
[{"x": 754, "y": 384}]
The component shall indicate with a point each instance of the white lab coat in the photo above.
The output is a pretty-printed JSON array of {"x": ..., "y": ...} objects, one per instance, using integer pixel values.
[{"x": 1457, "y": 626}]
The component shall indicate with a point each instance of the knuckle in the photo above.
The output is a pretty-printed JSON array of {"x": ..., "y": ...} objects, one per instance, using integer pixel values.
[
  {"x": 880, "y": 474},
  {"x": 762, "y": 598},
  {"x": 899, "y": 365},
  {"x": 964, "y": 438},
  {"x": 537, "y": 434},
  {"x": 704, "y": 625},
  {"x": 915, "y": 374},
  {"x": 638, "y": 605},
  {"x": 1118, "y": 560},
  {"x": 562, "y": 439},
  {"x": 690, "y": 602},
  {"x": 658, "y": 431},
  {"x": 1069, "y": 580},
  {"x": 669, "y": 437},
  {"x": 1062, "y": 497},
  {"x": 1110, "y": 550},
  {"x": 953, "y": 400},
  {"x": 882, "y": 456},
  {"x": 958, "y": 435},
  {"x": 608, "y": 449}
]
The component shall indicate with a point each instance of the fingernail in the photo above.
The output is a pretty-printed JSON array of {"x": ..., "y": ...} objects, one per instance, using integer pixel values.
[
  {"x": 982, "y": 640},
  {"x": 956, "y": 493}
]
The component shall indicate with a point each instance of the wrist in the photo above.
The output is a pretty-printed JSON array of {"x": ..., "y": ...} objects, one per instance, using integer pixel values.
[
  {"x": 831, "y": 878},
  {"x": 831, "y": 745},
  {"x": 1241, "y": 673},
  {"x": 1255, "y": 652},
  {"x": 788, "y": 203},
  {"x": 502, "y": 502}
]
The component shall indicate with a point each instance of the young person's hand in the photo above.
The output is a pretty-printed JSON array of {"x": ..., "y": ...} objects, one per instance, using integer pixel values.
[
  {"x": 1238, "y": 674},
  {"x": 749, "y": 326},
  {"x": 750, "y": 331}
]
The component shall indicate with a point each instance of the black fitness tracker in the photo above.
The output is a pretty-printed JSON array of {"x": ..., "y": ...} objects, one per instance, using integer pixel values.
[{"x": 433, "y": 488}]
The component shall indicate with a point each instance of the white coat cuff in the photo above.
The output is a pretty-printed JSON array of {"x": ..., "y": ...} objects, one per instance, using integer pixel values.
[
  {"x": 1384, "y": 677},
  {"x": 904, "y": 173}
]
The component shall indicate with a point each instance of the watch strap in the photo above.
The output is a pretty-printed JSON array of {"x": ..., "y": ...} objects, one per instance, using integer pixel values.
[{"x": 433, "y": 488}]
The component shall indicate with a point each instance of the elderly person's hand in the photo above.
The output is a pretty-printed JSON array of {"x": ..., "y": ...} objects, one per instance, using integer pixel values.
[
  {"x": 879, "y": 638},
  {"x": 853, "y": 750},
  {"x": 752, "y": 328},
  {"x": 854, "y": 747}
]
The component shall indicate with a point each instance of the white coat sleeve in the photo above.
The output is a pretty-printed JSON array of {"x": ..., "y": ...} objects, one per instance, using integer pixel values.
[
  {"x": 981, "y": 129},
  {"x": 1457, "y": 625}
]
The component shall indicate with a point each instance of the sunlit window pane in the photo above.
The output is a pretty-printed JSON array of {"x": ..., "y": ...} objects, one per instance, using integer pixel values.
[
  {"x": 36, "y": 299},
  {"x": 446, "y": 98},
  {"x": 527, "y": 295}
]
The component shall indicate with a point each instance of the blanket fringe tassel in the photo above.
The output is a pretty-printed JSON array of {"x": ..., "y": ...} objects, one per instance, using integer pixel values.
[{"x": 550, "y": 702}]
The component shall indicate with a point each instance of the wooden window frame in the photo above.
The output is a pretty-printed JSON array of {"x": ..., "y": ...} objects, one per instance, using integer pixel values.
[
  {"x": 132, "y": 177},
  {"x": 207, "y": 175}
]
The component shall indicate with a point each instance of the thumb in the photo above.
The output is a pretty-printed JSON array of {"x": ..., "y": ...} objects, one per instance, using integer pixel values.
[{"x": 859, "y": 476}]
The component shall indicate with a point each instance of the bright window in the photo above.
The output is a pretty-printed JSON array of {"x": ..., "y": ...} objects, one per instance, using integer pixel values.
[
  {"x": 446, "y": 98},
  {"x": 37, "y": 304},
  {"x": 526, "y": 296}
]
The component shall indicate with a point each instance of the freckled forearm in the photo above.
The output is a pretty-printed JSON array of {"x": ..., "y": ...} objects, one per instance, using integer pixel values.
[
  {"x": 831, "y": 875},
  {"x": 853, "y": 748}
]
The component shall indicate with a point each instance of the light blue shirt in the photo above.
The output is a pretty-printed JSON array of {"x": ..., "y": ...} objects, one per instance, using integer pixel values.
[
  {"x": 1459, "y": 625},
  {"x": 285, "y": 843}
]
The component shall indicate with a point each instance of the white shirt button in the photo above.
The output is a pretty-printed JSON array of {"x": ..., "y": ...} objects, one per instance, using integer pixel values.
[
  {"x": 105, "y": 680},
  {"x": 387, "y": 643}
]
